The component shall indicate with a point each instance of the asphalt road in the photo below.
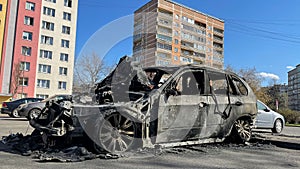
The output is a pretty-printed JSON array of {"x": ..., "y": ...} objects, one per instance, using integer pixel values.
[{"x": 255, "y": 155}]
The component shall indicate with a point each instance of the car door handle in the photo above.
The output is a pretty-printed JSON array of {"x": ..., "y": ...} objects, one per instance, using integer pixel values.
[{"x": 238, "y": 103}]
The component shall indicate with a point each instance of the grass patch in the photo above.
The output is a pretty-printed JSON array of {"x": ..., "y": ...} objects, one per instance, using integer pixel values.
[{"x": 293, "y": 125}]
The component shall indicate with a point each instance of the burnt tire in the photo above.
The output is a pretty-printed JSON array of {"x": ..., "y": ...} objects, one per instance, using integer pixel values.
[
  {"x": 278, "y": 126},
  {"x": 241, "y": 131},
  {"x": 15, "y": 113},
  {"x": 116, "y": 134},
  {"x": 33, "y": 114}
]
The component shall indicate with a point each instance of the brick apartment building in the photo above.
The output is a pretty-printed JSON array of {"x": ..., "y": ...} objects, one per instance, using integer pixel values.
[
  {"x": 37, "y": 45},
  {"x": 168, "y": 33}
]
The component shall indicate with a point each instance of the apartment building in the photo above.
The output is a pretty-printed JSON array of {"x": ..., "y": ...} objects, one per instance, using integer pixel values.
[
  {"x": 38, "y": 47},
  {"x": 168, "y": 33},
  {"x": 294, "y": 88}
]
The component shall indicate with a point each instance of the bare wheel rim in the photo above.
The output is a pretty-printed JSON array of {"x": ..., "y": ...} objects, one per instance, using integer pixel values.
[
  {"x": 34, "y": 113},
  {"x": 116, "y": 133},
  {"x": 243, "y": 129},
  {"x": 278, "y": 126}
]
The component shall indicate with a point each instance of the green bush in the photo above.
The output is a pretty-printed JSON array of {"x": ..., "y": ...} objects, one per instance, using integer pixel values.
[{"x": 291, "y": 116}]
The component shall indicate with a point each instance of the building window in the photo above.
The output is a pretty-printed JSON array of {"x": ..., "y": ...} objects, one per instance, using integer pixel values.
[
  {"x": 176, "y": 41},
  {"x": 49, "y": 11},
  {"x": 44, "y": 68},
  {"x": 66, "y": 30},
  {"x": 62, "y": 85},
  {"x": 53, "y": 1},
  {"x": 43, "y": 83},
  {"x": 64, "y": 57},
  {"x": 175, "y": 58},
  {"x": 30, "y": 6},
  {"x": 48, "y": 25},
  {"x": 27, "y": 36},
  {"x": 65, "y": 43},
  {"x": 46, "y": 54},
  {"x": 176, "y": 50},
  {"x": 164, "y": 46},
  {"x": 67, "y": 16},
  {"x": 22, "y": 95},
  {"x": 43, "y": 96},
  {"x": 164, "y": 37},
  {"x": 0, "y": 7},
  {"x": 46, "y": 40},
  {"x": 26, "y": 51},
  {"x": 68, "y": 3},
  {"x": 28, "y": 20},
  {"x": 23, "y": 81},
  {"x": 63, "y": 71},
  {"x": 25, "y": 66}
]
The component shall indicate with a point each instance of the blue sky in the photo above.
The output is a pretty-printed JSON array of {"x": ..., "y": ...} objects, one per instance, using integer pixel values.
[{"x": 258, "y": 34}]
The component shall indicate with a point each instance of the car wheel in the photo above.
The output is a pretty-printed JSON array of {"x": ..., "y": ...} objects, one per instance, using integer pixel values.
[
  {"x": 34, "y": 113},
  {"x": 116, "y": 133},
  {"x": 278, "y": 126},
  {"x": 242, "y": 131},
  {"x": 15, "y": 113}
]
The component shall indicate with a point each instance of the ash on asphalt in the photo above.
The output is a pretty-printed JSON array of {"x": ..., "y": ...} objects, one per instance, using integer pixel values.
[{"x": 32, "y": 146}]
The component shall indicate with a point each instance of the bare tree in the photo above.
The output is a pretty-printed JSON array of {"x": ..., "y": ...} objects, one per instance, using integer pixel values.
[
  {"x": 89, "y": 69},
  {"x": 254, "y": 80},
  {"x": 17, "y": 75}
]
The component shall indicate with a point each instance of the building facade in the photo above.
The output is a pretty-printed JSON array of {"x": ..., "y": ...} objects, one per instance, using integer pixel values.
[
  {"x": 294, "y": 88},
  {"x": 38, "y": 47},
  {"x": 168, "y": 33}
]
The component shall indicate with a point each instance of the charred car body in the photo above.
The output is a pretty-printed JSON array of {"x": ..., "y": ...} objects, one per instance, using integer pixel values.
[{"x": 165, "y": 106}]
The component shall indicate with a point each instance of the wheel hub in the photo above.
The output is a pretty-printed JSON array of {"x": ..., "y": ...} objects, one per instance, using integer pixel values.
[{"x": 115, "y": 133}]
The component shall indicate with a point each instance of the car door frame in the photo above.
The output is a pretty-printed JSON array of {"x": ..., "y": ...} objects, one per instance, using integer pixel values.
[{"x": 173, "y": 123}]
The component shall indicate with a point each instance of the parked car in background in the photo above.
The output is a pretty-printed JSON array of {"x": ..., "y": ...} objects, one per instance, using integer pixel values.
[
  {"x": 268, "y": 119},
  {"x": 32, "y": 110},
  {"x": 11, "y": 108}
]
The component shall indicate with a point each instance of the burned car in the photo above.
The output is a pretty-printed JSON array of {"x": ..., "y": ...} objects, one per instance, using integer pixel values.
[{"x": 156, "y": 106}]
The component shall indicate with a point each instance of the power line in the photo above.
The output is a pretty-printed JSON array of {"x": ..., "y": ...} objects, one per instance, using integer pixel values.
[
  {"x": 263, "y": 36},
  {"x": 242, "y": 26}
]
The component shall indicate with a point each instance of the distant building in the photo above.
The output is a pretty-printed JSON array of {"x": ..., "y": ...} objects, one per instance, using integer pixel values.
[
  {"x": 294, "y": 88},
  {"x": 168, "y": 33},
  {"x": 37, "y": 47}
]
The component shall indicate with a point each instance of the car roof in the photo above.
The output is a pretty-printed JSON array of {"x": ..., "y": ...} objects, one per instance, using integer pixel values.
[{"x": 173, "y": 68}]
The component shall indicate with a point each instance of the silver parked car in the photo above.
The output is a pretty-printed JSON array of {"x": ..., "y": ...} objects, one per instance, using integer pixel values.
[
  {"x": 268, "y": 119},
  {"x": 32, "y": 110}
]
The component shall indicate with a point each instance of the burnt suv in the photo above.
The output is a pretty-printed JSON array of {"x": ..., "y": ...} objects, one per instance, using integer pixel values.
[{"x": 157, "y": 106}]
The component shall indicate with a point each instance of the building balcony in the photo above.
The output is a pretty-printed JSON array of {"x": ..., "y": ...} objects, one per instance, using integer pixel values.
[
  {"x": 164, "y": 15},
  {"x": 164, "y": 33},
  {"x": 218, "y": 39},
  {"x": 187, "y": 47},
  {"x": 164, "y": 23}
]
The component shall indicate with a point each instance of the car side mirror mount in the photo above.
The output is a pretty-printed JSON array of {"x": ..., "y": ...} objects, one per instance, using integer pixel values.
[{"x": 266, "y": 110}]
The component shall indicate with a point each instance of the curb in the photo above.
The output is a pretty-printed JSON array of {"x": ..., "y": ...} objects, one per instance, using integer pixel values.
[{"x": 289, "y": 142}]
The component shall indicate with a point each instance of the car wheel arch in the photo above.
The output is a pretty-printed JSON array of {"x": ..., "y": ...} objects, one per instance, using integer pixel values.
[{"x": 233, "y": 135}]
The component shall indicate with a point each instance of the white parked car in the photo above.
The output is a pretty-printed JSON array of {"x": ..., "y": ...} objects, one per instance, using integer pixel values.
[{"x": 268, "y": 119}]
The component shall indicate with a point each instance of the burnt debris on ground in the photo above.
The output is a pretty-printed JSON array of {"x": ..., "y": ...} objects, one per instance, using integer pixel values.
[{"x": 33, "y": 146}]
